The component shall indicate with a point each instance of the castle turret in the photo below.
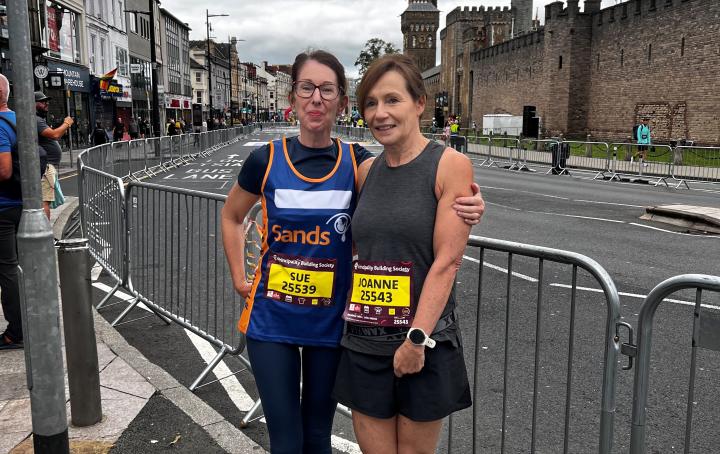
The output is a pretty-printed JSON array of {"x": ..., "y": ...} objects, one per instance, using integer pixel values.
[
  {"x": 419, "y": 24},
  {"x": 522, "y": 16},
  {"x": 592, "y": 6}
]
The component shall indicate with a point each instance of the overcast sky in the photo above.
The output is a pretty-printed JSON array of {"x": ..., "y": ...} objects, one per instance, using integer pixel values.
[{"x": 277, "y": 30}]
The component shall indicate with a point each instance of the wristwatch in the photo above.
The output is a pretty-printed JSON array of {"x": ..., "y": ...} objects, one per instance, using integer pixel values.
[{"x": 418, "y": 337}]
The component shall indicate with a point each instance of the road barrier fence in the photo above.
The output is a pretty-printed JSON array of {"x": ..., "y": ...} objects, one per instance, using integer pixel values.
[
  {"x": 669, "y": 165},
  {"x": 163, "y": 245}
]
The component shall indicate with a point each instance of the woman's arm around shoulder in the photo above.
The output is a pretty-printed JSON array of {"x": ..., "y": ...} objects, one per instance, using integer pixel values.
[{"x": 238, "y": 204}]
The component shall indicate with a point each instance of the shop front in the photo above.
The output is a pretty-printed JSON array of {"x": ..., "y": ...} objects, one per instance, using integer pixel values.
[
  {"x": 70, "y": 98},
  {"x": 177, "y": 107}
]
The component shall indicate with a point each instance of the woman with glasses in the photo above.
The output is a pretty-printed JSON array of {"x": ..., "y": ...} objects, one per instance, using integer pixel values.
[{"x": 308, "y": 187}]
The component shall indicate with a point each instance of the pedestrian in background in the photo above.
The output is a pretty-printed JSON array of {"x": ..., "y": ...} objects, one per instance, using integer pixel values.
[
  {"x": 11, "y": 204},
  {"x": 288, "y": 323},
  {"x": 643, "y": 139},
  {"x": 118, "y": 130},
  {"x": 99, "y": 135},
  {"x": 48, "y": 140},
  {"x": 10, "y": 212},
  {"x": 133, "y": 130},
  {"x": 402, "y": 368}
]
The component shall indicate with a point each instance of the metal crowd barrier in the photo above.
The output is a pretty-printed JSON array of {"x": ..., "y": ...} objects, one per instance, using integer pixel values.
[
  {"x": 104, "y": 171},
  {"x": 705, "y": 336},
  {"x": 696, "y": 164},
  {"x": 353, "y": 133},
  {"x": 177, "y": 264},
  {"x": 524, "y": 349},
  {"x": 494, "y": 151}
]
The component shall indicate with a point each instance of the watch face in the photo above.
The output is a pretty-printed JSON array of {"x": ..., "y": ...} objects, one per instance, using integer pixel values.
[{"x": 416, "y": 336}]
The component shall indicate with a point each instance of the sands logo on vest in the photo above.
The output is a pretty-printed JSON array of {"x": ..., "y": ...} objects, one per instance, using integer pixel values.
[{"x": 341, "y": 223}]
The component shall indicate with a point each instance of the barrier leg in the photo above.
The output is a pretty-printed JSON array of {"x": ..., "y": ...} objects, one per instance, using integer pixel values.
[
  {"x": 132, "y": 305},
  {"x": 108, "y": 296},
  {"x": 211, "y": 365}
]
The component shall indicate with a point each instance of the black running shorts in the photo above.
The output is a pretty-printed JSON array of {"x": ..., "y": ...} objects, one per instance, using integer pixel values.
[{"x": 367, "y": 384}]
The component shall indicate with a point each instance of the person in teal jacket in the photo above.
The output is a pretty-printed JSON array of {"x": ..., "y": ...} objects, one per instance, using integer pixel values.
[{"x": 643, "y": 139}]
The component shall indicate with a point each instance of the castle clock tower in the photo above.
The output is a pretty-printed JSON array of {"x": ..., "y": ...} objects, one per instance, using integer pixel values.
[{"x": 419, "y": 25}]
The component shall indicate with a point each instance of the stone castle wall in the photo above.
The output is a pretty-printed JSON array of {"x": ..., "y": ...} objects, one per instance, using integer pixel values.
[{"x": 655, "y": 58}]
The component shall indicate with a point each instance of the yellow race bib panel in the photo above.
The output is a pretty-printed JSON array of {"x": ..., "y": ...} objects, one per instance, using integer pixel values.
[
  {"x": 381, "y": 294},
  {"x": 301, "y": 280}
]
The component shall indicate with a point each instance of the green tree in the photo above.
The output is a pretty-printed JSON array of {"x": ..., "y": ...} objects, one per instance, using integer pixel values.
[{"x": 374, "y": 49}]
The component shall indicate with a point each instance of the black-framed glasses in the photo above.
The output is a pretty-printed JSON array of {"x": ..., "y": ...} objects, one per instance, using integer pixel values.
[{"x": 306, "y": 89}]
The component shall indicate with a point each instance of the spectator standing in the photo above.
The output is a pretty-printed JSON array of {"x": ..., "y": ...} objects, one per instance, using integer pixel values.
[
  {"x": 643, "y": 140},
  {"x": 118, "y": 130},
  {"x": 10, "y": 212},
  {"x": 48, "y": 140},
  {"x": 171, "y": 128},
  {"x": 99, "y": 135},
  {"x": 133, "y": 130}
]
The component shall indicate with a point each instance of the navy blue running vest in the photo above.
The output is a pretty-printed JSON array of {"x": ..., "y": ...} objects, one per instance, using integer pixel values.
[{"x": 300, "y": 288}]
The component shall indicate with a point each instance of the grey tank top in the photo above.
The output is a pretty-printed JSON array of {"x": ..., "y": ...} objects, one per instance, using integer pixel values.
[{"x": 394, "y": 221}]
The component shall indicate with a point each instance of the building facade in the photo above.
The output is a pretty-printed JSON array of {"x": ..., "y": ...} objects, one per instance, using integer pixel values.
[
  {"x": 141, "y": 65},
  {"x": 176, "y": 56},
  {"x": 419, "y": 25}
]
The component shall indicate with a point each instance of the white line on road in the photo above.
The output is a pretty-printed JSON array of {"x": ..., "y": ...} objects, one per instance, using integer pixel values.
[
  {"x": 502, "y": 206},
  {"x": 578, "y": 217},
  {"x": 637, "y": 295},
  {"x": 501, "y": 269},
  {"x": 610, "y": 203},
  {"x": 233, "y": 387}
]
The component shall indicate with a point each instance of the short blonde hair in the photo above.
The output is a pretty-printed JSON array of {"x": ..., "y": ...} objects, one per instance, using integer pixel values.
[{"x": 4, "y": 89}]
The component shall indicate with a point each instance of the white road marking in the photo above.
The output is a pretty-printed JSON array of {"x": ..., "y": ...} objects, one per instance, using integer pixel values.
[
  {"x": 578, "y": 217},
  {"x": 240, "y": 398},
  {"x": 610, "y": 203},
  {"x": 670, "y": 231},
  {"x": 254, "y": 144},
  {"x": 637, "y": 295},
  {"x": 232, "y": 386},
  {"x": 502, "y": 206},
  {"x": 587, "y": 289},
  {"x": 501, "y": 269}
]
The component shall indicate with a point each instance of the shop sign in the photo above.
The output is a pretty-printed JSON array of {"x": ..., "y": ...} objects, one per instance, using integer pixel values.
[
  {"x": 114, "y": 90},
  {"x": 76, "y": 78},
  {"x": 136, "y": 68},
  {"x": 41, "y": 71}
]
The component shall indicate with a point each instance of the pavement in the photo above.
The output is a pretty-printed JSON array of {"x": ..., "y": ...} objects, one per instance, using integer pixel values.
[
  {"x": 695, "y": 218},
  {"x": 144, "y": 408}
]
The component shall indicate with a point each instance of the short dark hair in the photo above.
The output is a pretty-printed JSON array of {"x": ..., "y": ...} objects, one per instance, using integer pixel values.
[
  {"x": 393, "y": 62},
  {"x": 324, "y": 58}
]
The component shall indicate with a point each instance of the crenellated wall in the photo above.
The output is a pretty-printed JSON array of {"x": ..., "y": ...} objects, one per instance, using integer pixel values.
[{"x": 656, "y": 58}]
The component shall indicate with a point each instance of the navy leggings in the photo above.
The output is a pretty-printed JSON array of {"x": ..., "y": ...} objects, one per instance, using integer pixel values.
[{"x": 295, "y": 426}]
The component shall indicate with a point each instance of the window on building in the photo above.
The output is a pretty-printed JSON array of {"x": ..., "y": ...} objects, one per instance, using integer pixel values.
[
  {"x": 101, "y": 9},
  {"x": 103, "y": 65},
  {"x": 649, "y": 53},
  {"x": 272, "y": 95},
  {"x": 598, "y": 62},
  {"x": 560, "y": 62},
  {"x": 93, "y": 47},
  {"x": 121, "y": 60},
  {"x": 198, "y": 97},
  {"x": 682, "y": 47},
  {"x": 622, "y": 58},
  {"x": 112, "y": 13},
  {"x": 121, "y": 22},
  {"x": 63, "y": 29},
  {"x": 132, "y": 22},
  {"x": 197, "y": 76},
  {"x": 91, "y": 7}
]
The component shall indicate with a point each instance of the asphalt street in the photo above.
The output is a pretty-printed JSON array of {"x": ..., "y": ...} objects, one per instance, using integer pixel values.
[{"x": 595, "y": 218}]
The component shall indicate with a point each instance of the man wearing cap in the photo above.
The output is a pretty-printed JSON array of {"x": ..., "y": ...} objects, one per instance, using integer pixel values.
[{"x": 48, "y": 139}]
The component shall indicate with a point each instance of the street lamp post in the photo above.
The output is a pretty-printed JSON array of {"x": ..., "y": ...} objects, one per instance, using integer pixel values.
[{"x": 210, "y": 95}]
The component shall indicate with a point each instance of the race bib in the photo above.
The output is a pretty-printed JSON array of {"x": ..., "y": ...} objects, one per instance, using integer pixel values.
[
  {"x": 381, "y": 294},
  {"x": 303, "y": 281}
]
